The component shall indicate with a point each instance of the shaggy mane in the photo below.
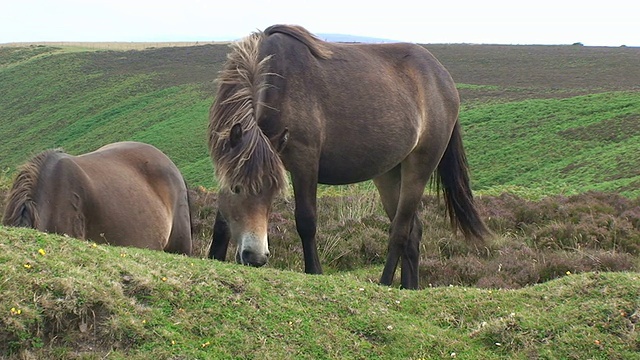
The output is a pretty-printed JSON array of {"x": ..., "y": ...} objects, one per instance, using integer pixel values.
[
  {"x": 21, "y": 208},
  {"x": 253, "y": 164}
]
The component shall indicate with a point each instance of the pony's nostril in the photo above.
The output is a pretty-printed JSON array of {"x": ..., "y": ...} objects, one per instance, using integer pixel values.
[
  {"x": 246, "y": 255},
  {"x": 253, "y": 259}
]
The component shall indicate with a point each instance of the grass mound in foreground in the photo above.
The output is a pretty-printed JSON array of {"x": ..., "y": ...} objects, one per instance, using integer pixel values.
[{"x": 65, "y": 298}]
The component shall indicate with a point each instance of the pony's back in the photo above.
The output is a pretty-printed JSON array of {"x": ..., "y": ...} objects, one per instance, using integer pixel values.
[{"x": 126, "y": 194}]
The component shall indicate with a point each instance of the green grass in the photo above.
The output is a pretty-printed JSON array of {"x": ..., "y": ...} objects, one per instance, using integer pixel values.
[
  {"x": 534, "y": 125},
  {"x": 14, "y": 55},
  {"x": 58, "y": 101},
  {"x": 557, "y": 145},
  {"x": 550, "y": 143},
  {"x": 79, "y": 300}
]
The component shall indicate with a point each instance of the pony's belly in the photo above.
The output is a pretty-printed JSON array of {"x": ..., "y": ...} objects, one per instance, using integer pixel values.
[
  {"x": 349, "y": 172},
  {"x": 364, "y": 158}
]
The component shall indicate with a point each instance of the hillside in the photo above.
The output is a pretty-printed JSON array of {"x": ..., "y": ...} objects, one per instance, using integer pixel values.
[
  {"x": 553, "y": 118},
  {"x": 559, "y": 280},
  {"x": 69, "y": 299}
]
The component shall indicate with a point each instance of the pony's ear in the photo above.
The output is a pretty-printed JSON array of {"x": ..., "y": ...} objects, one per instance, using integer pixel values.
[
  {"x": 235, "y": 135},
  {"x": 280, "y": 141}
]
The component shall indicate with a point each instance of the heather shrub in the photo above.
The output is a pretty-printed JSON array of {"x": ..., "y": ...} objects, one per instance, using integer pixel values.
[
  {"x": 591, "y": 220},
  {"x": 516, "y": 264},
  {"x": 600, "y": 260},
  {"x": 535, "y": 241},
  {"x": 438, "y": 272},
  {"x": 496, "y": 281},
  {"x": 632, "y": 215},
  {"x": 498, "y": 211},
  {"x": 203, "y": 212}
]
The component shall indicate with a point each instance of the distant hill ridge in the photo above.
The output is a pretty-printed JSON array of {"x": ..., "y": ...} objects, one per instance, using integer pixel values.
[{"x": 353, "y": 38}]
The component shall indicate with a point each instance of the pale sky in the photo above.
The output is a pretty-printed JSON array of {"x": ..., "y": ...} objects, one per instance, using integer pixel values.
[{"x": 593, "y": 23}]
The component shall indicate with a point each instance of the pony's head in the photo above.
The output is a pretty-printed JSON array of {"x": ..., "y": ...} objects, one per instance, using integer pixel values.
[
  {"x": 247, "y": 162},
  {"x": 245, "y": 201}
]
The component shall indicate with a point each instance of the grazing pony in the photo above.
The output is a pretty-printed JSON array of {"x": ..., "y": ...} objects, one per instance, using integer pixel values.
[
  {"x": 334, "y": 114},
  {"x": 126, "y": 193}
]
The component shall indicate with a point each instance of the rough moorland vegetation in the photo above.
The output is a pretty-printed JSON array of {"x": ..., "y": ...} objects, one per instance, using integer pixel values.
[{"x": 551, "y": 134}]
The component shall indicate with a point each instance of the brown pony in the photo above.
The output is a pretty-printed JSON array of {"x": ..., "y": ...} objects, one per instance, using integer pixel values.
[
  {"x": 334, "y": 114},
  {"x": 127, "y": 194}
]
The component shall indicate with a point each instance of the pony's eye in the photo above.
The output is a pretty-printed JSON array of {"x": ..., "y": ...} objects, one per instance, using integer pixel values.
[{"x": 236, "y": 189}]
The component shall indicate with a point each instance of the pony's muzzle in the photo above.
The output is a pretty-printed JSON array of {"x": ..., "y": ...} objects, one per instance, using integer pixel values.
[{"x": 251, "y": 258}]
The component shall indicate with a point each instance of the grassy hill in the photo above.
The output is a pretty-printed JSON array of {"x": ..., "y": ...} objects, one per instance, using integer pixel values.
[
  {"x": 553, "y": 118},
  {"x": 559, "y": 280},
  {"x": 565, "y": 145},
  {"x": 82, "y": 100},
  {"x": 63, "y": 298}
]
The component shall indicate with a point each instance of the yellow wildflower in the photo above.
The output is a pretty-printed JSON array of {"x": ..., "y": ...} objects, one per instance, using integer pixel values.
[{"x": 42, "y": 252}]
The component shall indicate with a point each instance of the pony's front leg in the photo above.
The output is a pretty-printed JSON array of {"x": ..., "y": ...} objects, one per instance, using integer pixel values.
[
  {"x": 219, "y": 239},
  {"x": 305, "y": 191}
]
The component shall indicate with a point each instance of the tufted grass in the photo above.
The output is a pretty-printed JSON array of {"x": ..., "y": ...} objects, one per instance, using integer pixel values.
[{"x": 69, "y": 299}]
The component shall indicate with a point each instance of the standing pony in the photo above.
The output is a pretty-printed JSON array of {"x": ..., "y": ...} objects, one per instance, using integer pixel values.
[
  {"x": 334, "y": 114},
  {"x": 127, "y": 194}
]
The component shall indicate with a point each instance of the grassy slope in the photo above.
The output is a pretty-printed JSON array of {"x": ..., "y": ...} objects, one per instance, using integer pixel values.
[
  {"x": 66, "y": 100},
  {"x": 558, "y": 145},
  {"x": 527, "y": 120},
  {"x": 81, "y": 301},
  {"x": 66, "y": 298}
]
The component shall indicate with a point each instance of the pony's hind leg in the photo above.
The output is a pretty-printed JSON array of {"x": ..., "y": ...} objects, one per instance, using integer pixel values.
[
  {"x": 411, "y": 255},
  {"x": 388, "y": 185},
  {"x": 180, "y": 239},
  {"x": 406, "y": 230}
]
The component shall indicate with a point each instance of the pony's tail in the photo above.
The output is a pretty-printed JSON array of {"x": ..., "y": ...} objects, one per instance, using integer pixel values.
[
  {"x": 21, "y": 209},
  {"x": 453, "y": 174}
]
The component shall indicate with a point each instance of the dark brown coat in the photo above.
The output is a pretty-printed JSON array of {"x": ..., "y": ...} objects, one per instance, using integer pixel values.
[{"x": 334, "y": 114}]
